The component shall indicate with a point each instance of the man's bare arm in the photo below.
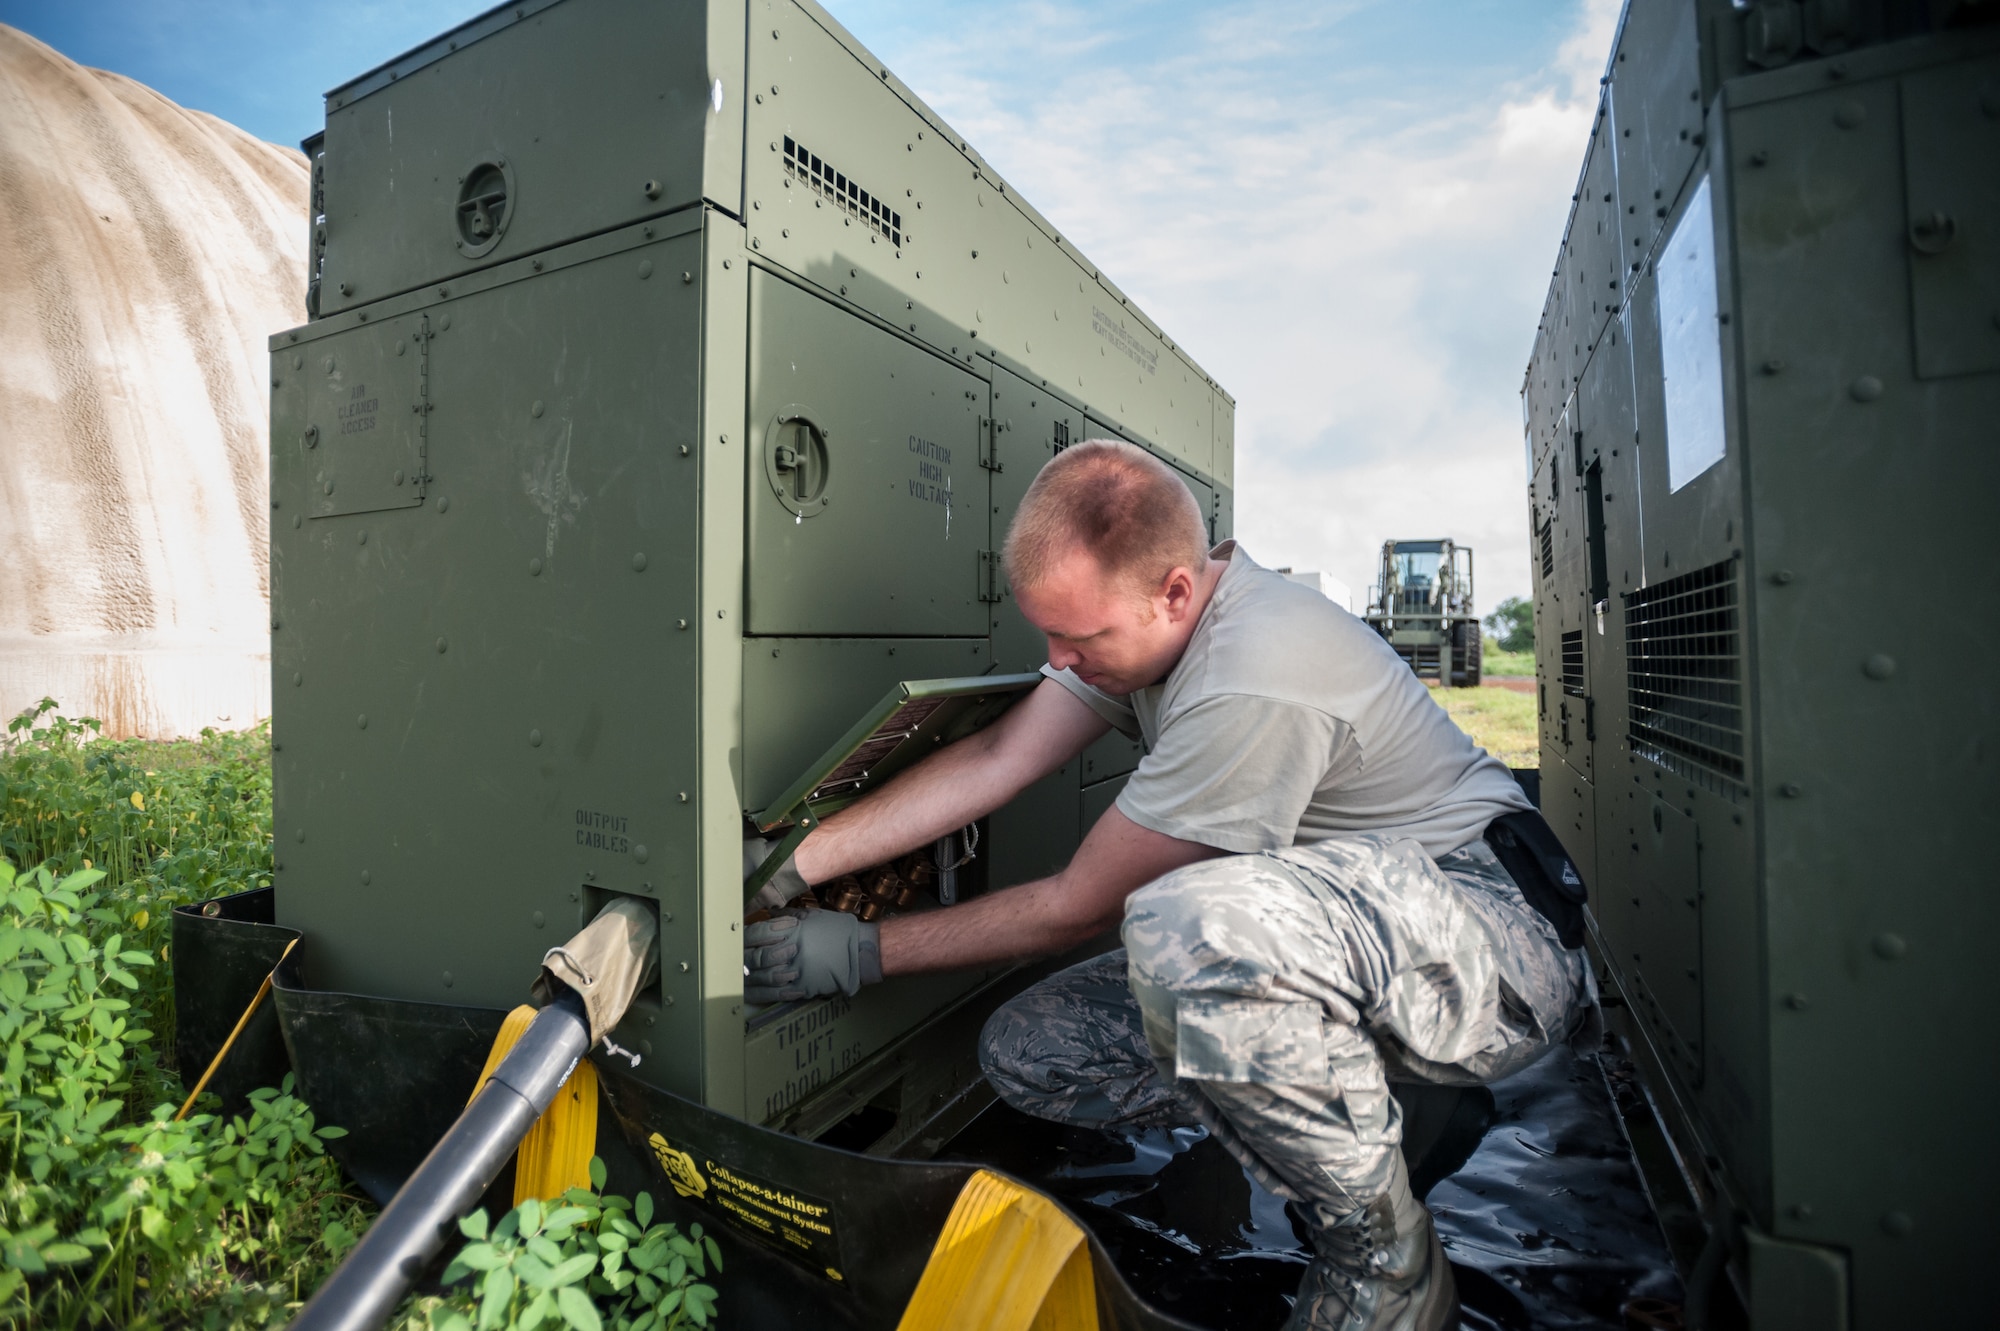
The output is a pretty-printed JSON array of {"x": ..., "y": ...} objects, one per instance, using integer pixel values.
[
  {"x": 1046, "y": 916},
  {"x": 953, "y": 786}
]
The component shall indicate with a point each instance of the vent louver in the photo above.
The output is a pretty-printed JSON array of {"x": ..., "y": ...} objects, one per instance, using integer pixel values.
[
  {"x": 835, "y": 185},
  {"x": 1572, "y": 662},
  {"x": 1683, "y": 676}
]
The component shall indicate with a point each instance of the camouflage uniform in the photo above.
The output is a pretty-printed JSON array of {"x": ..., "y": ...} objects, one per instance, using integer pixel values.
[{"x": 1273, "y": 997}]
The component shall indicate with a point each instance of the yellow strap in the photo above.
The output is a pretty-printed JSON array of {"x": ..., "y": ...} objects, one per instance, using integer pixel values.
[
  {"x": 1008, "y": 1259},
  {"x": 555, "y": 1155}
]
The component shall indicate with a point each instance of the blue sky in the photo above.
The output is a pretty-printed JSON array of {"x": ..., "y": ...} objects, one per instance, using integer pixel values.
[{"x": 1345, "y": 209}]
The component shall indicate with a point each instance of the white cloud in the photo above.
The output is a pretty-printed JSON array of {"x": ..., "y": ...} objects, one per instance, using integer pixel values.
[{"x": 1360, "y": 258}]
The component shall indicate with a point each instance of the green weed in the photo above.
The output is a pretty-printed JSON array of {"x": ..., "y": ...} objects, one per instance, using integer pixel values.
[
  {"x": 112, "y": 1214},
  {"x": 585, "y": 1261}
]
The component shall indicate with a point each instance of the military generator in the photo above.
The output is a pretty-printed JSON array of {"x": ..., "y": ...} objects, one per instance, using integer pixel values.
[
  {"x": 1423, "y": 607},
  {"x": 1769, "y": 357},
  {"x": 672, "y": 375}
]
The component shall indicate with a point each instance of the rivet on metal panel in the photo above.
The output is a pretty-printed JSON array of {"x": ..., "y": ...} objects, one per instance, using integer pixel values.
[
  {"x": 310, "y": 437},
  {"x": 445, "y": 322},
  {"x": 1791, "y": 790},
  {"x": 539, "y": 919},
  {"x": 366, "y": 878},
  {"x": 297, "y": 679},
  {"x": 1773, "y": 365},
  {"x": 1865, "y": 389},
  {"x": 721, "y": 614},
  {"x": 299, "y": 835},
  {"x": 361, "y": 721},
  {"x": 327, "y": 364},
  {"x": 448, "y": 979},
  {"x": 1796, "y": 1002},
  {"x": 1849, "y": 115},
  {"x": 684, "y": 450},
  {"x": 326, "y": 488},
  {"x": 684, "y": 800},
  {"x": 684, "y": 968},
  {"x": 535, "y": 407},
  {"x": 535, "y": 264},
  {"x": 646, "y": 267},
  {"x": 347, "y": 288},
  {"x": 1933, "y": 234},
  {"x": 535, "y": 567},
  {"x": 361, "y": 537},
  {"x": 1783, "y": 577},
  {"x": 534, "y": 739},
  {"x": 443, "y": 504},
  {"x": 442, "y": 646},
  {"x": 680, "y": 623},
  {"x": 1897, "y": 1224},
  {"x": 1879, "y": 666},
  {"x": 639, "y": 562},
  {"x": 1891, "y": 947},
  {"x": 641, "y": 854}
]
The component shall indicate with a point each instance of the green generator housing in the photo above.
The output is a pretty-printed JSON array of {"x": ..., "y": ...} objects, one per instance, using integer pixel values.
[
  {"x": 672, "y": 376},
  {"x": 1760, "y": 422}
]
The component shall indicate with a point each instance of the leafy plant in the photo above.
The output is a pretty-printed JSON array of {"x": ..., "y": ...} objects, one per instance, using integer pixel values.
[
  {"x": 585, "y": 1261},
  {"x": 113, "y": 1218}
]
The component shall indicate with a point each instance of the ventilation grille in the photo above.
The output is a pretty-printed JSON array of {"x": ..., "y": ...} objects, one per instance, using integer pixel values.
[
  {"x": 1061, "y": 436},
  {"x": 823, "y": 178},
  {"x": 1684, "y": 676},
  {"x": 1548, "y": 549},
  {"x": 1572, "y": 662}
]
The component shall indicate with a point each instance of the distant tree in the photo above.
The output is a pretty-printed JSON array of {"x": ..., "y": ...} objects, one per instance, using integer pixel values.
[{"x": 1512, "y": 624}]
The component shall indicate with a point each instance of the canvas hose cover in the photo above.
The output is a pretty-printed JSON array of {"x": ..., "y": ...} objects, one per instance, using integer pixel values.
[{"x": 605, "y": 964}]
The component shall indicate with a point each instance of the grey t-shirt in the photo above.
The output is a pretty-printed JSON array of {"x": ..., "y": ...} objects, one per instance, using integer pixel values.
[{"x": 1287, "y": 721}]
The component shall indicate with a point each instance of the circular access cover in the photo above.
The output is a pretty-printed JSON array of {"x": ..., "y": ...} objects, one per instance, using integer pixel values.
[
  {"x": 485, "y": 203},
  {"x": 795, "y": 462}
]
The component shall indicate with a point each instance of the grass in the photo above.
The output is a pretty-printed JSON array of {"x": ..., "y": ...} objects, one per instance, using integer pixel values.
[
  {"x": 115, "y": 1214},
  {"x": 1500, "y": 721},
  {"x": 1498, "y": 663}
]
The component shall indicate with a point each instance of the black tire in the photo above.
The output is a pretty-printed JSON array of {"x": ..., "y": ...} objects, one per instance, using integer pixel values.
[{"x": 1467, "y": 652}]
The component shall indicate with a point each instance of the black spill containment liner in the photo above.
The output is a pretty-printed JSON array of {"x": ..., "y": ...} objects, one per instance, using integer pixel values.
[
  {"x": 1538, "y": 1201},
  {"x": 396, "y": 1075},
  {"x": 222, "y": 950}
]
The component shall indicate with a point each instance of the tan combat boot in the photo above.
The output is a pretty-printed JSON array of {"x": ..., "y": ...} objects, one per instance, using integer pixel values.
[{"x": 1379, "y": 1268}]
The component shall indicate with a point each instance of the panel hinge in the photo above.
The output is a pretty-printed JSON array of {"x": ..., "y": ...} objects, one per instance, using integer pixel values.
[
  {"x": 990, "y": 429},
  {"x": 423, "y": 470},
  {"x": 989, "y": 575}
]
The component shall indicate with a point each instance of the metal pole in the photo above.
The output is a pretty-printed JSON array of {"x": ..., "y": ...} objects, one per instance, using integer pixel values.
[{"x": 362, "y": 1294}]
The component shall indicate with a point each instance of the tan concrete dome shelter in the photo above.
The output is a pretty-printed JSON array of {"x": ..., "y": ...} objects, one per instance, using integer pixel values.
[{"x": 146, "y": 251}]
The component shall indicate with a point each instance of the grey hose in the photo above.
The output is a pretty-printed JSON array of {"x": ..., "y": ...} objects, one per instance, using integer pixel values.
[
  {"x": 406, "y": 1236},
  {"x": 587, "y": 984}
]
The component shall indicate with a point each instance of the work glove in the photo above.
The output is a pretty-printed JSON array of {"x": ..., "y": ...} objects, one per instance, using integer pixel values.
[
  {"x": 807, "y": 953},
  {"x": 781, "y": 887}
]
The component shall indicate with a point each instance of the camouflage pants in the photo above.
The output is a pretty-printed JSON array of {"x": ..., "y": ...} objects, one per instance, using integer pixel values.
[{"x": 1272, "y": 998}]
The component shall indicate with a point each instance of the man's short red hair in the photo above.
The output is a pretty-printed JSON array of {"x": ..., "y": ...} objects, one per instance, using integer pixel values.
[{"x": 1118, "y": 502}]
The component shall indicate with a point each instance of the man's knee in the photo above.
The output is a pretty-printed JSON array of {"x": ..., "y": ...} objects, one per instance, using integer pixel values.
[{"x": 1012, "y": 1040}]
